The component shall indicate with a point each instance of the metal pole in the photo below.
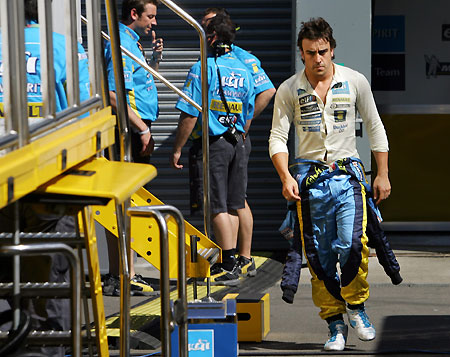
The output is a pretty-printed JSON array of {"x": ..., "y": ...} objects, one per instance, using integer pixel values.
[
  {"x": 151, "y": 70},
  {"x": 124, "y": 256},
  {"x": 94, "y": 45},
  {"x": 16, "y": 267},
  {"x": 33, "y": 249},
  {"x": 123, "y": 122},
  {"x": 73, "y": 87},
  {"x": 47, "y": 62},
  {"x": 181, "y": 303},
  {"x": 14, "y": 75},
  {"x": 205, "y": 118}
]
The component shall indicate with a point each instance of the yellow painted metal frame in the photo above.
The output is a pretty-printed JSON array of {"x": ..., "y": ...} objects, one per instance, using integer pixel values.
[
  {"x": 42, "y": 160},
  {"x": 98, "y": 310},
  {"x": 145, "y": 236},
  {"x": 107, "y": 179},
  {"x": 98, "y": 177},
  {"x": 143, "y": 313}
]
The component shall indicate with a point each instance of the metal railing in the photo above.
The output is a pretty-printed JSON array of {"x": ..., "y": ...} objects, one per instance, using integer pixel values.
[
  {"x": 18, "y": 132},
  {"x": 179, "y": 315},
  {"x": 112, "y": 14}
]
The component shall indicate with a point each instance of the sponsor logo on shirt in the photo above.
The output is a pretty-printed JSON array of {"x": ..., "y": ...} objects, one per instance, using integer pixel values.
[
  {"x": 255, "y": 68},
  {"x": 309, "y": 122},
  {"x": 309, "y": 108},
  {"x": 340, "y": 128},
  {"x": 311, "y": 129},
  {"x": 340, "y": 115},
  {"x": 235, "y": 80},
  {"x": 217, "y": 105},
  {"x": 335, "y": 106},
  {"x": 300, "y": 91},
  {"x": 34, "y": 110},
  {"x": 312, "y": 116},
  {"x": 307, "y": 99},
  {"x": 341, "y": 99},
  {"x": 341, "y": 88},
  {"x": 260, "y": 79}
]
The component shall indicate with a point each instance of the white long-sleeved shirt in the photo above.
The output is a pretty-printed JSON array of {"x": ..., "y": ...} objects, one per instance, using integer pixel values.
[{"x": 326, "y": 132}]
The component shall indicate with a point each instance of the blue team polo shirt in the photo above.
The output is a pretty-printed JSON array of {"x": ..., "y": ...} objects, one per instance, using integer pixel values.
[
  {"x": 141, "y": 88},
  {"x": 261, "y": 80},
  {"x": 238, "y": 88},
  {"x": 33, "y": 71}
]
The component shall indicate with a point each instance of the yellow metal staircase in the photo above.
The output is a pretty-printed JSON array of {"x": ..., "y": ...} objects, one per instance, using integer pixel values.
[{"x": 145, "y": 233}]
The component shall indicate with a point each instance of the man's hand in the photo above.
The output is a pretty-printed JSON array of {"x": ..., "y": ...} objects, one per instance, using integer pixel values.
[
  {"x": 158, "y": 47},
  {"x": 175, "y": 159},
  {"x": 381, "y": 185},
  {"x": 381, "y": 188},
  {"x": 148, "y": 144},
  {"x": 290, "y": 189}
]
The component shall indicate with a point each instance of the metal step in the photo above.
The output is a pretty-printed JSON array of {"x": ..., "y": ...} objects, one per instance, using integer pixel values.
[
  {"x": 50, "y": 337},
  {"x": 37, "y": 290}
]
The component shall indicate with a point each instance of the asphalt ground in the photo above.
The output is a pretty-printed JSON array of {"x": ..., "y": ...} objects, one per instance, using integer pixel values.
[{"x": 412, "y": 318}]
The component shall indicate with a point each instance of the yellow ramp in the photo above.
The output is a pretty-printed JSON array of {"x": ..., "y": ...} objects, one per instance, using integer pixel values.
[{"x": 145, "y": 237}]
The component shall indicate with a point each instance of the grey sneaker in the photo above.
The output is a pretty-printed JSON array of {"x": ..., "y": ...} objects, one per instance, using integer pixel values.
[
  {"x": 228, "y": 278},
  {"x": 247, "y": 266},
  {"x": 111, "y": 285}
]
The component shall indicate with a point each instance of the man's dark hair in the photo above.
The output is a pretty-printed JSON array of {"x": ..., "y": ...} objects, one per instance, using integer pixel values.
[
  {"x": 315, "y": 29},
  {"x": 216, "y": 10},
  {"x": 222, "y": 26},
  {"x": 31, "y": 10},
  {"x": 139, "y": 5}
]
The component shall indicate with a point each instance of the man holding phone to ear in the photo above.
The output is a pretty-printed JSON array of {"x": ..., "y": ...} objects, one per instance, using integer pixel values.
[{"x": 138, "y": 20}]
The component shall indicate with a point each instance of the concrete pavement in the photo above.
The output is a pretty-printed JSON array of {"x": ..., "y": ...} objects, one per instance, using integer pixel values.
[{"x": 411, "y": 318}]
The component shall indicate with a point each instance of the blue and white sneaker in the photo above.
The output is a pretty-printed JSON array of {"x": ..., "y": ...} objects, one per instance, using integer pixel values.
[
  {"x": 337, "y": 336},
  {"x": 359, "y": 320}
]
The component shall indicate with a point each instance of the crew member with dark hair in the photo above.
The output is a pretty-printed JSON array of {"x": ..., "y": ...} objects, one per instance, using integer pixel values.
[
  {"x": 138, "y": 19},
  {"x": 264, "y": 91},
  {"x": 328, "y": 179},
  {"x": 231, "y": 103}
]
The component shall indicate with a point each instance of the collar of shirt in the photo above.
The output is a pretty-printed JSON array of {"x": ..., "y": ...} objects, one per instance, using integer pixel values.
[
  {"x": 306, "y": 86},
  {"x": 125, "y": 29}
]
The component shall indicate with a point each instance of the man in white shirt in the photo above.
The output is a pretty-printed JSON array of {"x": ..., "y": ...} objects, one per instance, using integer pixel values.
[{"x": 327, "y": 179}]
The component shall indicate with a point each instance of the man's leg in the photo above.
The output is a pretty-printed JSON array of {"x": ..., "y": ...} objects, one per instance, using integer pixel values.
[
  {"x": 245, "y": 231},
  {"x": 111, "y": 284}
]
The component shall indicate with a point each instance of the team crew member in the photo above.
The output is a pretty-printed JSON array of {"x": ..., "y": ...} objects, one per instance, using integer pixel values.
[
  {"x": 264, "y": 91},
  {"x": 52, "y": 314},
  {"x": 138, "y": 18},
  {"x": 33, "y": 69},
  {"x": 231, "y": 100},
  {"x": 327, "y": 183}
]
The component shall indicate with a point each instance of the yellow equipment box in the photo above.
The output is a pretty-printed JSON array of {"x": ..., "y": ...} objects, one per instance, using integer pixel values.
[{"x": 253, "y": 312}]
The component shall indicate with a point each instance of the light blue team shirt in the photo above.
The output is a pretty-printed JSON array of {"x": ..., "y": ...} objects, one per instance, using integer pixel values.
[
  {"x": 33, "y": 70},
  {"x": 261, "y": 80},
  {"x": 238, "y": 89},
  {"x": 142, "y": 96}
]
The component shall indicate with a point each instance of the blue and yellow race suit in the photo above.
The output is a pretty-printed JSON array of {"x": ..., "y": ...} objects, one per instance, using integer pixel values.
[{"x": 333, "y": 209}]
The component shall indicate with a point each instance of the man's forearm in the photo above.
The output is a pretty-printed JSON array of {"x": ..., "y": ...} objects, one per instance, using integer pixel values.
[
  {"x": 185, "y": 126},
  {"x": 381, "y": 159},
  {"x": 137, "y": 122},
  {"x": 281, "y": 163},
  {"x": 262, "y": 100}
]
